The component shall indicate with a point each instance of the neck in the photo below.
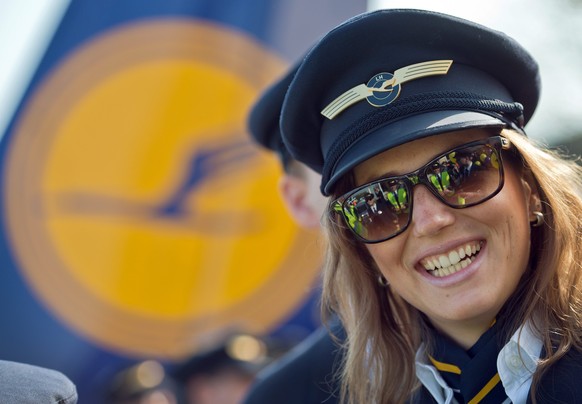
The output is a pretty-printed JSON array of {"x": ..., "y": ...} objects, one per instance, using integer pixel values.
[{"x": 464, "y": 333}]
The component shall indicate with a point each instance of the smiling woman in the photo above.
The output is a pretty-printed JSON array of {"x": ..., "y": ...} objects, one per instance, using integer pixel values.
[{"x": 453, "y": 257}]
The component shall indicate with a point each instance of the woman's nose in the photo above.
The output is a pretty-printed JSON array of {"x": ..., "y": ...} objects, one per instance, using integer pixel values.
[{"x": 429, "y": 214}]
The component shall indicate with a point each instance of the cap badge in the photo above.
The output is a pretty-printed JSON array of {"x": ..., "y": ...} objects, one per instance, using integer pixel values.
[{"x": 384, "y": 88}]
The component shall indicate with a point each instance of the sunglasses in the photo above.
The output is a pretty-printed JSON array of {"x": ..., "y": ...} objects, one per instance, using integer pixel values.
[{"x": 462, "y": 177}]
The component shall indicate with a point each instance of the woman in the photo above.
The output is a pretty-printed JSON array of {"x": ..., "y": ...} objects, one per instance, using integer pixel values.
[{"x": 470, "y": 290}]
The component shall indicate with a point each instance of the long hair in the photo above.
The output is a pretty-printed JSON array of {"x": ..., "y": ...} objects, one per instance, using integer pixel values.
[
  {"x": 384, "y": 332},
  {"x": 550, "y": 295}
]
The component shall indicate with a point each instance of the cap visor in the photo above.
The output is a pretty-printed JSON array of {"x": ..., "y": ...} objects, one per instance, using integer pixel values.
[{"x": 406, "y": 130}]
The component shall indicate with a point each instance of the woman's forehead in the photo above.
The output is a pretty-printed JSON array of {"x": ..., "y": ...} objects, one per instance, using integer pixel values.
[{"x": 412, "y": 155}]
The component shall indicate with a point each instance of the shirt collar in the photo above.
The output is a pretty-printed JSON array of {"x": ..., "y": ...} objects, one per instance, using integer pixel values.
[
  {"x": 516, "y": 364},
  {"x": 518, "y": 361}
]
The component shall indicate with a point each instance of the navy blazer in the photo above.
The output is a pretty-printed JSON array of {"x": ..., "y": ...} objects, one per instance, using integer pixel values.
[{"x": 305, "y": 376}]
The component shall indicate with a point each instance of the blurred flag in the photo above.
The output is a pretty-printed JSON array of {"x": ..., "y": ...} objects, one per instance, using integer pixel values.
[{"x": 138, "y": 221}]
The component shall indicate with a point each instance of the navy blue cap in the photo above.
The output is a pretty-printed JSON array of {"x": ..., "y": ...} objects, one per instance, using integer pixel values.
[
  {"x": 388, "y": 77},
  {"x": 263, "y": 119}
]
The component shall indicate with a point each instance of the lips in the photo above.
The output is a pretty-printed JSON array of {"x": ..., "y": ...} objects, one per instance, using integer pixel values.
[{"x": 453, "y": 261}]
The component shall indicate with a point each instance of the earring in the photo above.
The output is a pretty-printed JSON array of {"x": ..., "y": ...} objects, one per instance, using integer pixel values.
[
  {"x": 539, "y": 220},
  {"x": 383, "y": 281}
]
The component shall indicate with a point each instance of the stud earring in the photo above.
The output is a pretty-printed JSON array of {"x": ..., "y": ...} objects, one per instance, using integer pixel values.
[
  {"x": 539, "y": 220},
  {"x": 383, "y": 281}
]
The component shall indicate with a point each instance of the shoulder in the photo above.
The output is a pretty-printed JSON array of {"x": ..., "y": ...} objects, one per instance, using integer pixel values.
[
  {"x": 24, "y": 383},
  {"x": 305, "y": 375},
  {"x": 562, "y": 382}
]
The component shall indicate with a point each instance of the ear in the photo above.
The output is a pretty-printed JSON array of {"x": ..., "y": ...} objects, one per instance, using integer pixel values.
[
  {"x": 532, "y": 194},
  {"x": 295, "y": 192}
]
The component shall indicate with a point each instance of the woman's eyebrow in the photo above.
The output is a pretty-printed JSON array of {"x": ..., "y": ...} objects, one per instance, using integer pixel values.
[{"x": 378, "y": 176}]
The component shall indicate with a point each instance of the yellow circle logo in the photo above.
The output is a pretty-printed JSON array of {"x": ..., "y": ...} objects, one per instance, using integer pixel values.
[{"x": 136, "y": 205}]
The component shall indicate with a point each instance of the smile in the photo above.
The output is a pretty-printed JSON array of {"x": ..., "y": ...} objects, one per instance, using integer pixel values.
[{"x": 453, "y": 261}]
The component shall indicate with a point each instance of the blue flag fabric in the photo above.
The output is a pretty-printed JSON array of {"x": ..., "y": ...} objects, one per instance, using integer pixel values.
[{"x": 137, "y": 219}]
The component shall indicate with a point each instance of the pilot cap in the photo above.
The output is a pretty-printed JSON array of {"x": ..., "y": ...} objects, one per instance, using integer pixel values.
[
  {"x": 263, "y": 119},
  {"x": 388, "y": 77}
]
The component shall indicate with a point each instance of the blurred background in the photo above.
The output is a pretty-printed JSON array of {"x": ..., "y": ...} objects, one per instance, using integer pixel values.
[{"x": 144, "y": 245}]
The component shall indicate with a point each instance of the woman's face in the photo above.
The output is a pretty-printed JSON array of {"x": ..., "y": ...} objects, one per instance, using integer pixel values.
[{"x": 496, "y": 233}]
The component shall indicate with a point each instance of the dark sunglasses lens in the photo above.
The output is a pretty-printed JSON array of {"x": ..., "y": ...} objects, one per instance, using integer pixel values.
[
  {"x": 379, "y": 211},
  {"x": 466, "y": 176}
]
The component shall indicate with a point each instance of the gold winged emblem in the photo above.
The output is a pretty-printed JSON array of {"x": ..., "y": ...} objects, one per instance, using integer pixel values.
[{"x": 402, "y": 75}]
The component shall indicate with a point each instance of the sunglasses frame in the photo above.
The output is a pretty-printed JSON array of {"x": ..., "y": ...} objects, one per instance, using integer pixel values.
[{"x": 419, "y": 176}]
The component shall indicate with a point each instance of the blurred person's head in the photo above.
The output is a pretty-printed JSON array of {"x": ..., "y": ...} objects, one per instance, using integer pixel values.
[
  {"x": 142, "y": 383},
  {"x": 299, "y": 184},
  {"x": 222, "y": 373}
]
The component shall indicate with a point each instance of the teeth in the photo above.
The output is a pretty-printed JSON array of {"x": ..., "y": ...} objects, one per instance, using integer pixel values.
[
  {"x": 440, "y": 272},
  {"x": 444, "y": 261},
  {"x": 454, "y": 261},
  {"x": 454, "y": 257}
]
